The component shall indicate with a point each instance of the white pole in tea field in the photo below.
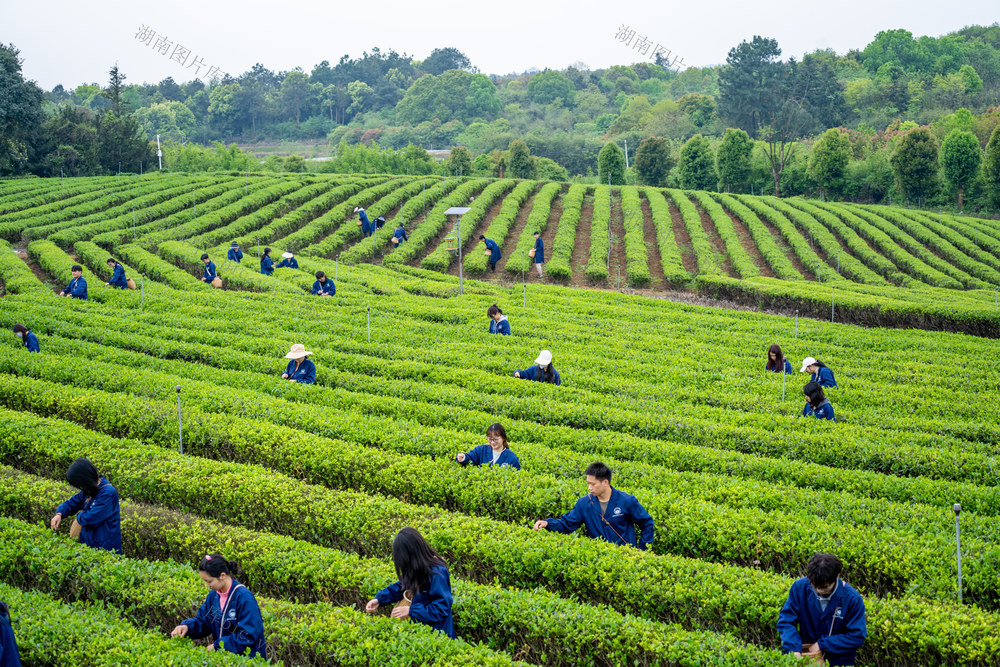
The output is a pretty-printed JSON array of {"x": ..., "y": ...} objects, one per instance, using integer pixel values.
[
  {"x": 626, "y": 153},
  {"x": 159, "y": 153},
  {"x": 336, "y": 268},
  {"x": 369, "y": 308},
  {"x": 180, "y": 428},
  {"x": 833, "y": 296},
  {"x": 958, "y": 549},
  {"x": 796, "y": 324}
]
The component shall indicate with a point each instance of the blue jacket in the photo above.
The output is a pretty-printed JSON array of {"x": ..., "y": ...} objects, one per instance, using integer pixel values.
[
  {"x": 824, "y": 411},
  {"x": 788, "y": 367},
  {"x": 840, "y": 630},
  {"x": 210, "y": 272},
  {"x": 539, "y": 251},
  {"x": 324, "y": 288},
  {"x": 824, "y": 377},
  {"x": 118, "y": 279},
  {"x": 431, "y": 607},
  {"x": 30, "y": 341},
  {"x": 616, "y": 526},
  {"x": 492, "y": 246},
  {"x": 483, "y": 455},
  {"x": 237, "y": 629},
  {"x": 100, "y": 517},
  {"x": 235, "y": 255},
  {"x": 9, "y": 656},
  {"x": 266, "y": 265},
  {"x": 77, "y": 288},
  {"x": 400, "y": 234},
  {"x": 535, "y": 373},
  {"x": 366, "y": 227},
  {"x": 306, "y": 374},
  {"x": 291, "y": 263},
  {"x": 501, "y": 327}
]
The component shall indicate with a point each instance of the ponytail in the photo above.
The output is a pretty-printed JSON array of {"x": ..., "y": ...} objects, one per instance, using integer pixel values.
[{"x": 215, "y": 565}]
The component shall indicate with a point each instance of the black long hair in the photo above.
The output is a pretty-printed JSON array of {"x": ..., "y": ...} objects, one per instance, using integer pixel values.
[
  {"x": 779, "y": 359},
  {"x": 493, "y": 310},
  {"x": 215, "y": 565},
  {"x": 814, "y": 393},
  {"x": 83, "y": 475},
  {"x": 414, "y": 559},
  {"x": 548, "y": 373}
]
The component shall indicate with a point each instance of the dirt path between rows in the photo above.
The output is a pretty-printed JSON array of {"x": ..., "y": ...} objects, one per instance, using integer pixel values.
[
  {"x": 683, "y": 239},
  {"x": 721, "y": 254},
  {"x": 656, "y": 279},
  {"x": 618, "y": 257},
  {"x": 510, "y": 243},
  {"x": 749, "y": 245},
  {"x": 782, "y": 244},
  {"x": 581, "y": 247}
]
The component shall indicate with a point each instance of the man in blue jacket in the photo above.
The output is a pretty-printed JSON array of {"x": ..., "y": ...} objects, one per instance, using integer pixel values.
[
  {"x": 605, "y": 512},
  {"x": 323, "y": 285},
  {"x": 118, "y": 279},
  {"x": 494, "y": 249},
  {"x": 77, "y": 287},
  {"x": 234, "y": 254},
  {"x": 539, "y": 253},
  {"x": 824, "y": 617},
  {"x": 210, "y": 273}
]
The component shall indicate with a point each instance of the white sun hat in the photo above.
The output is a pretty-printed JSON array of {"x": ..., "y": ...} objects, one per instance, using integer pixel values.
[
  {"x": 358, "y": 208},
  {"x": 806, "y": 363},
  {"x": 544, "y": 358},
  {"x": 286, "y": 255},
  {"x": 297, "y": 352}
]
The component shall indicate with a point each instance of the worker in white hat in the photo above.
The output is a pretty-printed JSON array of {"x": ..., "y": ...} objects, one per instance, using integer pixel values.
[
  {"x": 300, "y": 369},
  {"x": 542, "y": 371},
  {"x": 288, "y": 259},
  {"x": 366, "y": 227},
  {"x": 819, "y": 373}
]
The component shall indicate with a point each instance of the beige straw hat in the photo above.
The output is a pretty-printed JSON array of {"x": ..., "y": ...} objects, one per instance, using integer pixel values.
[{"x": 297, "y": 352}]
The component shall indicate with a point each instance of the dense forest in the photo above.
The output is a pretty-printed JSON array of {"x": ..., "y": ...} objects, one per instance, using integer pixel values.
[{"x": 753, "y": 124}]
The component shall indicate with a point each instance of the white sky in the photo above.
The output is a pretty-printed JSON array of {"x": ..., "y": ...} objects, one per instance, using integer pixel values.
[{"x": 74, "y": 42}]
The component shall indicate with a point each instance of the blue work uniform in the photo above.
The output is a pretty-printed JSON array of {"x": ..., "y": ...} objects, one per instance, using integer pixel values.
[
  {"x": 788, "y": 367},
  {"x": 100, "y": 517},
  {"x": 366, "y": 227},
  {"x": 431, "y": 607},
  {"x": 210, "y": 272},
  {"x": 824, "y": 378},
  {"x": 118, "y": 279},
  {"x": 9, "y": 656},
  {"x": 327, "y": 287},
  {"x": 77, "y": 288},
  {"x": 306, "y": 373},
  {"x": 501, "y": 327},
  {"x": 840, "y": 629},
  {"x": 539, "y": 251},
  {"x": 483, "y": 455},
  {"x": 400, "y": 234},
  {"x": 289, "y": 262},
  {"x": 824, "y": 411},
  {"x": 536, "y": 374},
  {"x": 239, "y": 628},
  {"x": 616, "y": 525},
  {"x": 30, "y": 341},
  {"x": 266, "y": 265},
  {"x": 494, "y": 249},
  {"x": 234, "y": 255}
]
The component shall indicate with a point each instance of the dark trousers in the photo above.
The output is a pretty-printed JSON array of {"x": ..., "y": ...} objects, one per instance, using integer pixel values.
[{"x": 493, "y": 266}]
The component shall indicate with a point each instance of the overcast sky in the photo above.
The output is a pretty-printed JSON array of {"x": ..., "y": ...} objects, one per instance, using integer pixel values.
[{"x": 77, "y": 42}]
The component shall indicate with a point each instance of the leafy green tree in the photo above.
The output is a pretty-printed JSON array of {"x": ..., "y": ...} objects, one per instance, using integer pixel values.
[
  {"x": 482, "y": 100},
  {"x": 961, "y": 158},
  {"x": 733, "y": 160},
  {"x": 459, "y": 161},
  {"x": 991, "y": 167},
  {"x": 611, "y": 165},
  {"x": 697, "y": 165},
  {"x": 69, "y": 144},
  {"x": 122, "y": 142},
  {"x": 442, "y": 97},
  {"x": 653, "y": 161},
  {"x": 296, "y": 94},
  {"x": 548, "y": 86},
  {"x": 828, "y": 165},
  {"x": 223, "y": 107},
  {"x": 442, "y": 60},
  {"x": 699, "y": 108},
  {"x": 915, "y": 163},
  {"x": 360, "y": 94},
  {"x": 295, "y": 163},
  {"x": 20, "y": 113},
  {"x": 519, "y": 163}
]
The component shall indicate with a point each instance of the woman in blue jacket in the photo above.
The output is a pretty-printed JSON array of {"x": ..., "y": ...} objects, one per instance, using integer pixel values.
[
  {"x": 819, "y": 373},
  {"x": 399, "y": 235},
  {"x": 230, "y": 612},
  {"x": 542, "y": 371},
  {"x": 98, "y": 516},
  {"x": 288, "y": 261},
  {"x": 366, "y": 227},
  {"x": 775, "y": 359},
  {"x": 234, "y": 254},
  {"x": 539, "y": 253},
  {"x": 266, "y": 263},
  {"x": 494, "y": 249},
  {"x": 423, "y": 582},
  {"x": 817, "y": 404},
  {"x": 28, "y": 339},
  {"x": 498, "y": 321},
  {"x": 210, "y": 273},
  {"x": 299, "y": 369},
  {"x": 118, "y": 279},
  {"x": 9, "y": 657},
  {"x": 496, "y": 453}
]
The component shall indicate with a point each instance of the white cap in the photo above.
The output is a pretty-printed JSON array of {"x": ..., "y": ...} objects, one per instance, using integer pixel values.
[
  {"x": 544, "y": 358},
  {"x": 286, "y": 255},
  {"x": 806, "y": 363},
  {"x": 358, "y": 208}
]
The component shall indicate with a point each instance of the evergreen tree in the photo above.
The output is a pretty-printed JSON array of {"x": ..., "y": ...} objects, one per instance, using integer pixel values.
[
  {"x": 653, "y": 161},
  {"x": 519, "y": 162},
  {"x": 20, "y": 114},
  {"x": 697, "y": 166},
  {"x": 459, "y": 161},
  {"x": 611, "y": 164},
  {"x": 961, "y": 158},
  {"x": 915, "y": 164},
  {"x": 991, "y": 167},
  {"x": 733, "y": 160},
  {"x": 121, "y": 141},
  {"x": 829, "y": 161}
]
